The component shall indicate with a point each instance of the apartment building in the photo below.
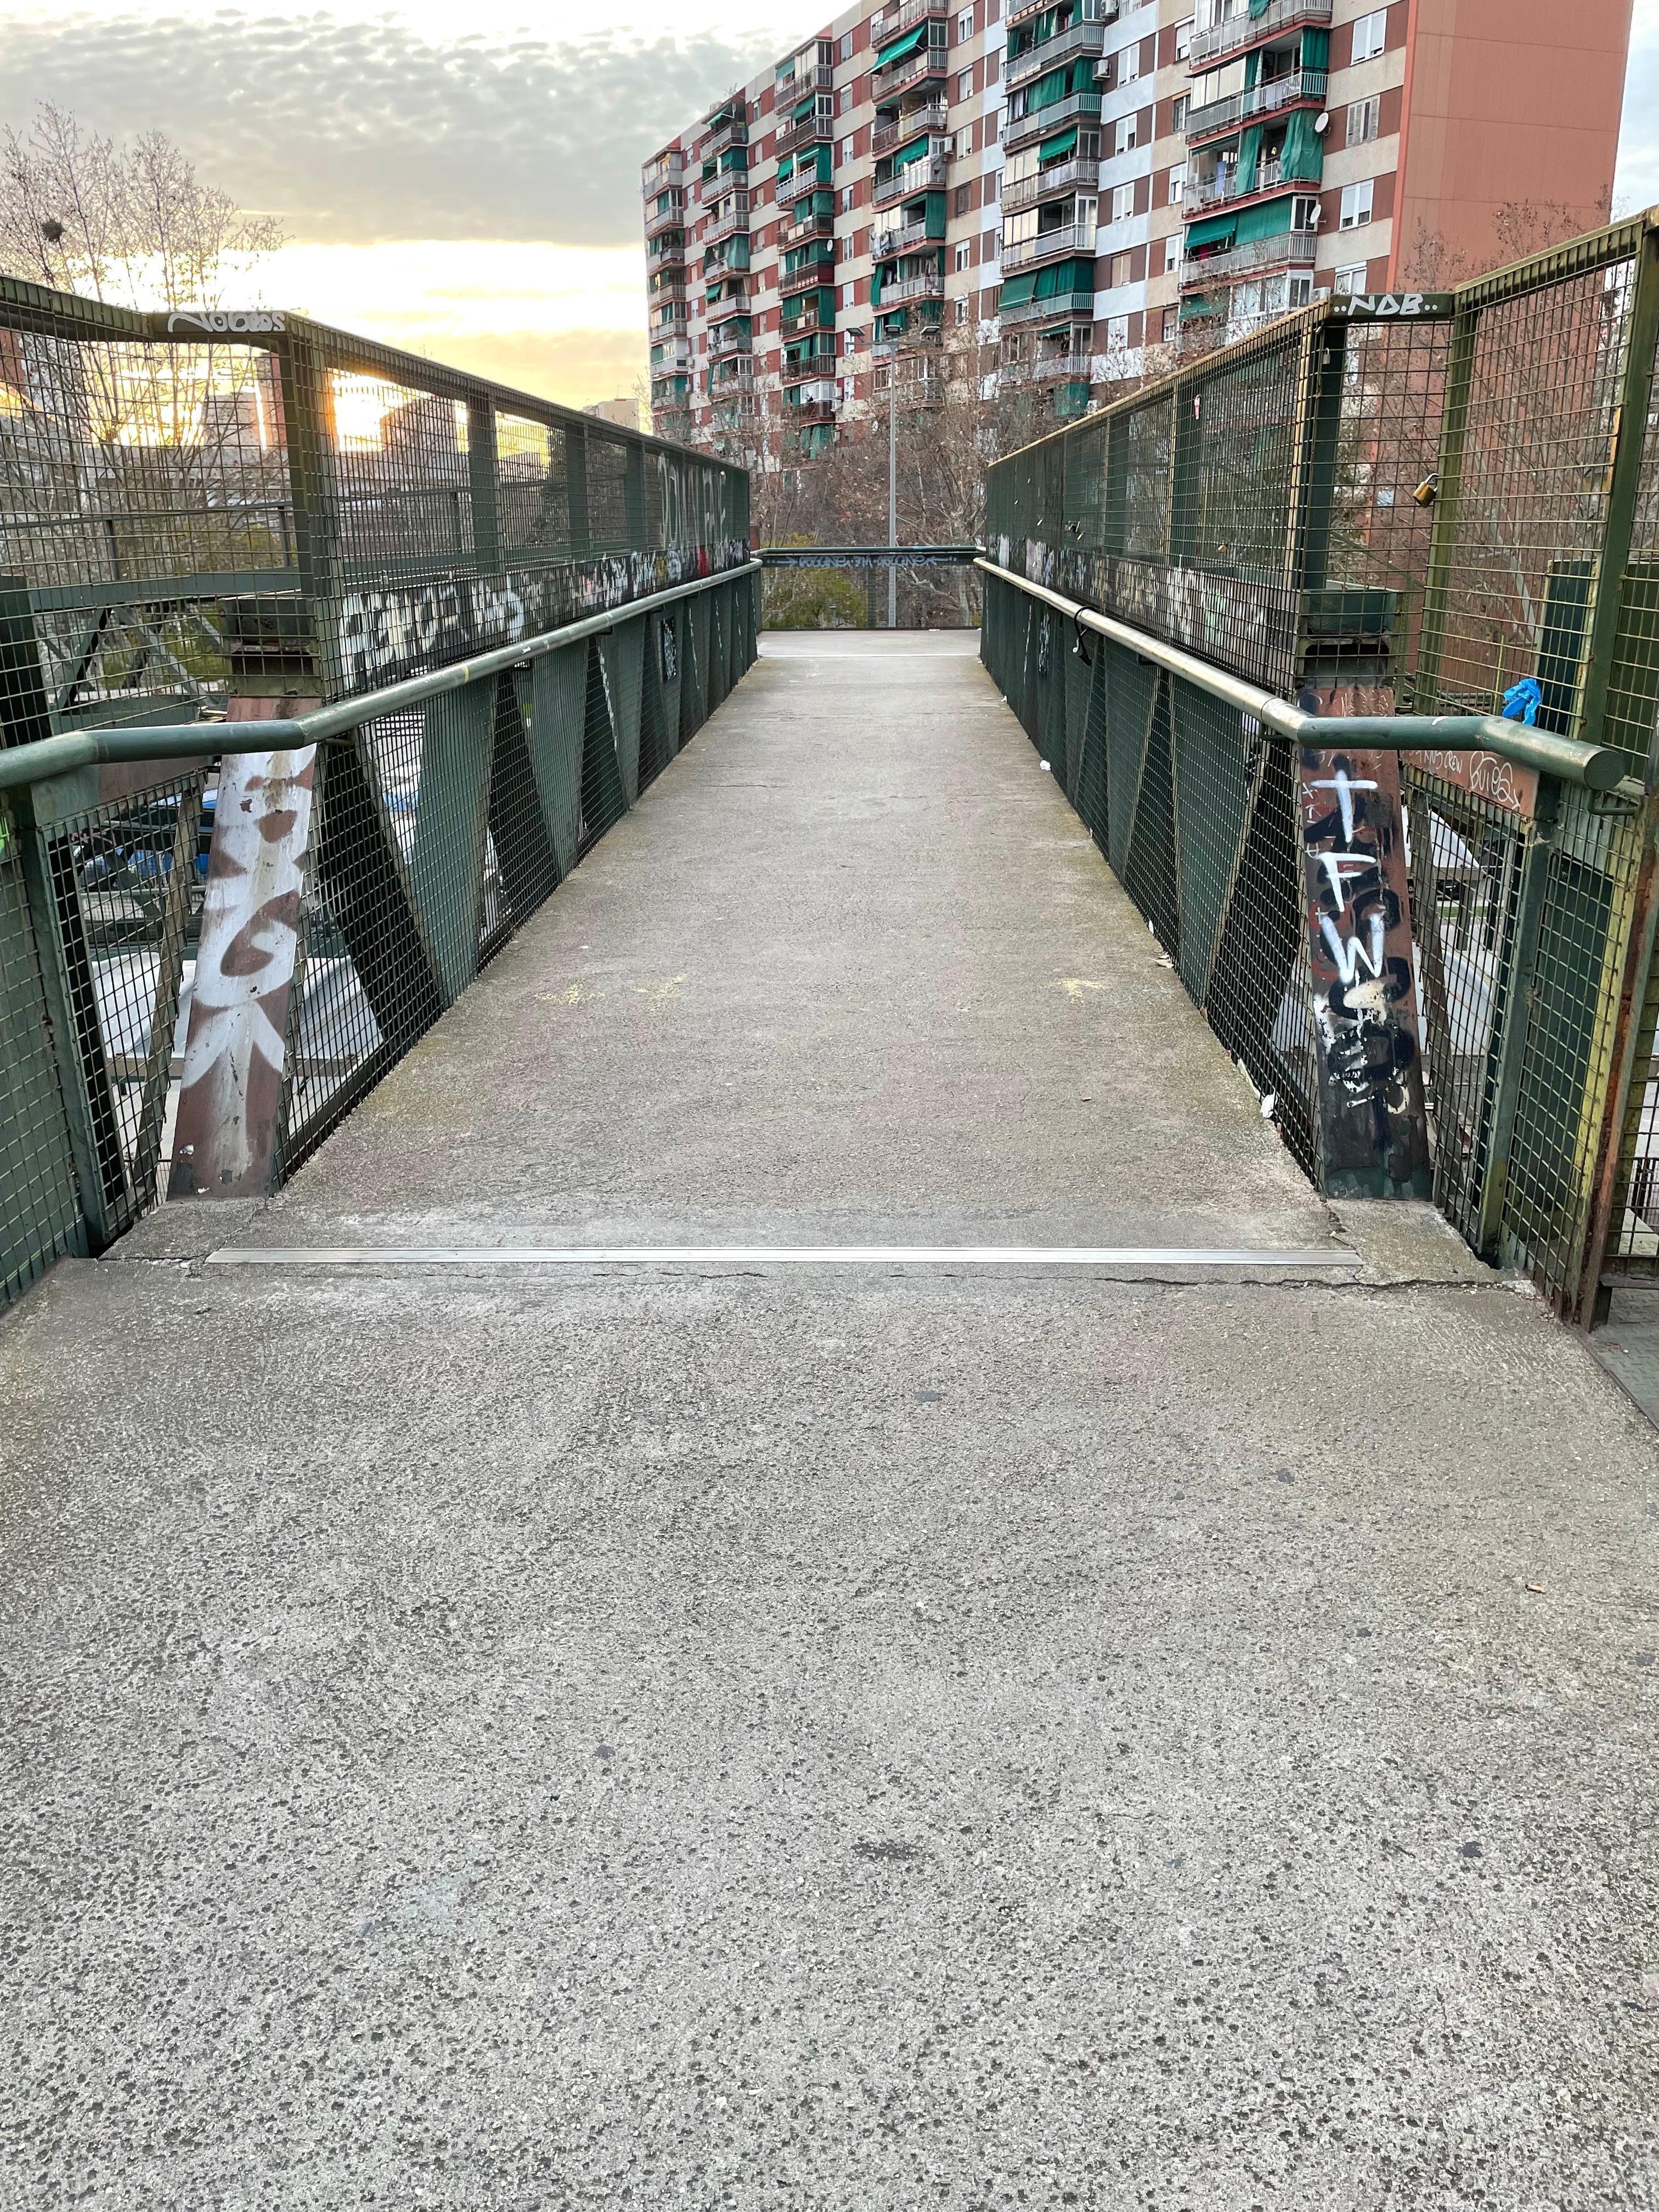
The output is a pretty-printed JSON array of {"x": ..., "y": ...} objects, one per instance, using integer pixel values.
[{"x": 1069, "y": 193}]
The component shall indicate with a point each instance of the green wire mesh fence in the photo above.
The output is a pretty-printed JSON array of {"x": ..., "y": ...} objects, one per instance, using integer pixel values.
[
  {"x": 213, "y": 519},
  {"x": 1412, "y": 504}
]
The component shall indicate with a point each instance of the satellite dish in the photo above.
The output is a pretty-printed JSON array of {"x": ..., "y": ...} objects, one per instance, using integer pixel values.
[{"x": 1322, "y": 123}]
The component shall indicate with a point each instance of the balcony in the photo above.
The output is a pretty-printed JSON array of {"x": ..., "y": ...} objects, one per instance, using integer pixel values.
[
  {"x": 1222, "y": 189},
  {"x": 914, "y": 69},
  {"x": 815, "y": 369},
  {"x": 808, "y": 224},
  {"x": 727, "y": 339},
  {"x": 883, "y": 244},
  {"x": 667, "y": 248},
  {"x": 1036, "y": 61},
  {"x": 1029, "y": 8},
  {"x": 666, "y": 170},
  {"x": 1290, "y": 249},
  {"x": 722, "y": 311},
  {"x": 1245, "y": 29},
  {"x": 808, "y": 320},
  {"x": 1043, "y": 122},
  {"x": 819, "y": 407},
  {"x": 730, "y": 133},
  {"x": 671, "y": 217},
  {"x": 926, "y": 175},
  {"x": 670, "y": 326},
  {"x": 811, "y": 131},
  {"x": 1048, "y": 245},
  {"x": 712, "y": 190},
  {"x": 808, "y": 277},
  {"x": 929, "y": 285},
  {"x": 1241, "y": 107},
  {"x": 896, "y": 21},
  {"x": 733, "y": 218},
  {"x": 736, "y": 377},
  {"x": 1064, "y": 179},
  {"x": 932, "y": 115},
  {"x": 1051, "y": 368},
  {"x": 670, "y": 357},
  {"x": 1064, "y": 307}
]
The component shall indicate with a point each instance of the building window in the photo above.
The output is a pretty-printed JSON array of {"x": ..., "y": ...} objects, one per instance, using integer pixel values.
[
  {"x": 964, "y": 84},
  {"x": 849, "y": 294},
  {"x": 964, "y": 253},
  {"x": 846, "y": 98},
  {"x": 1171, "y": 324},
  {"x": 1123, "y": 135},
  {"x": 964, "y": 198},
  {"x": 965, "y": 24},
  {"x": 1301, "y": 291},
  {"x": 1177, "y": 183},
  {"x": 1178, "y": 107},
  {"x": 1370, "y": 35},
  {"x": 965, "y": 143},
  {"x": 843, "y": 153},
  {"x": 1123, "y": 202},
  {"x": 1356, "y": 204},
  {"x": 1117, "y": 333},
  {"x": 847, "y": 200},
  {"x": 962, "y": 308},
  {"x": 1305, "y": 213},
  {"x": 1128, "y": 64},
  {"x": 847, "y": 45},
  {"x": 849, "y": 341},
  {"x": 1172, "y": 252},
  {"x": 1363, "y": 116},
  {"x": 1352, "y": 280},
  {"x": 1120, "y": 271}
]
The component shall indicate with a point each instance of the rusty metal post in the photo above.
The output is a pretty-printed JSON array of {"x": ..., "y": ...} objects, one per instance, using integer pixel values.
[{"x": 1373, "y": 1129}]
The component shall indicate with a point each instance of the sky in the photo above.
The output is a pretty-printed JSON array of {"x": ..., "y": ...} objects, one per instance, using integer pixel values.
[{"x": 474, "y": 198}]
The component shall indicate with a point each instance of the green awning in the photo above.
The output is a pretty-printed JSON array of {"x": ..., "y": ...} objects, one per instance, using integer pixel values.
[
  {"x": 1056, "y": 149},
  {"x": 786, "y": 167},
  {"x": 1016, "y": 293},
  {"x": 1315, "y": 50},
  {"x": 1302, "y": 157},
  {"x": 915, "y": 151},
  {"x": 1250, "y": 161},
  {"x": 1215, "y": 230},
  {"x": 1077, "y": 276},
  {"x": 805, "y": 107},
  {"x": 900, "y": 47},
  {"x": 1196, "y": 306},
  {"x": 1268, "y": 219},
  {"x": 1060, "y": 82}
]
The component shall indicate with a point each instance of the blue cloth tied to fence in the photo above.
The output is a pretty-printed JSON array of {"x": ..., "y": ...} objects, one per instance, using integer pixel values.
[{"x": 1521, "y": 702}]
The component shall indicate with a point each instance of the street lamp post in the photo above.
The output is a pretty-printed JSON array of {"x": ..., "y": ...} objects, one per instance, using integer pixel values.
[{"x": 892, "y": 485}]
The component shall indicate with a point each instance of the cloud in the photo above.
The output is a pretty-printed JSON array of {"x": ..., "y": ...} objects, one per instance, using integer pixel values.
[{"x": 358, "y": 131}]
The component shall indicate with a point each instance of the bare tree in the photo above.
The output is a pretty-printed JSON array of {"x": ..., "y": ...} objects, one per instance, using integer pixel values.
[{"x": 130, "y": 225}]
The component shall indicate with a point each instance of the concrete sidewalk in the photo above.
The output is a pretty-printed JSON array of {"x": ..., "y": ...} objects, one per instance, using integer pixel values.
[{"x": 853, "y": 1739}]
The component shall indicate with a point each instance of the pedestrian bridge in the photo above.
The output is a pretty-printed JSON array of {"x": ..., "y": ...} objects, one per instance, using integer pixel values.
[{"x": 826, "y": 1483}]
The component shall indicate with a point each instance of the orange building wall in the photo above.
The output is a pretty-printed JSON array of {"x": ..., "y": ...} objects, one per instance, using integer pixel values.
[{"x": 1506, "y": 100}]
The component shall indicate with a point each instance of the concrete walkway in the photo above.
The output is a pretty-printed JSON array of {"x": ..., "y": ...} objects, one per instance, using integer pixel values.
[{"x": 732, "y": 1736}]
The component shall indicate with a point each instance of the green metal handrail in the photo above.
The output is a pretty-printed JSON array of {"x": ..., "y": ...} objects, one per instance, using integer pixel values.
[
  {"x": 49, "y": 757},
  {"x": 1598, "y": 768}
]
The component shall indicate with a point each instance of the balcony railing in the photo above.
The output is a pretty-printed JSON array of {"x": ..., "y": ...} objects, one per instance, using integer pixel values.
[
  {"x": 926, "y": 175},
  {"x": 667, "y": 247},
  {"x": 790, "y": 189},
  {"x": 819, "y": 409},
  {"x": 807, "y": 277},
  {"x": 1043, "y": 122},
  {"x": 929, "y": 285},
  {"x": 727, "y": 339},
  {"x": 1078, "y": 176},
  {"x": 1247, "y": 29},
  {"x": 1239, "y": 107},
  {"x": 932, "y": 115},
  {"x": 1071, "y": 238},
  {"x": 671, "y": 218},
  {"x": 1039, "y": 311},
  {"x": 896, "y": 21},
  {"x": 808, "y": 320},
  {"x": 807, "y": 372},
  {"x": 926, "y": 62},
  {"x": 1052, "y": 368},
  {"x": 805, "y": 227},
  {"x": 666, "y": 170},
  {"x": 736, "y": 217},
  {"x": 713, "y": 189},
  {"x": 811, "y": 131},
  {"x": 1064, "y": 46},
  {"x": 722, "y": 311},
  {"x": 729, "y": 134},
  {"x": 1292, "y": 249},
  {"x": 883, "y": 244},
  {"x": 1027, "y": 8},
  {"x": 1222, "y": 189},
  {"x": 736, "y": 376},
  {"x": 669, "y": 357},
  {"x": 671, "y": 326}
]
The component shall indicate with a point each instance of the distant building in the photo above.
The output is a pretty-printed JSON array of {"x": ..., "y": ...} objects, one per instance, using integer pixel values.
[
  {"x": 1087, "y": 188},
  {"x": 625, "y": 413}
]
